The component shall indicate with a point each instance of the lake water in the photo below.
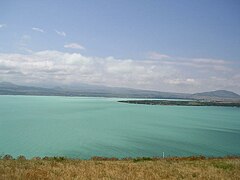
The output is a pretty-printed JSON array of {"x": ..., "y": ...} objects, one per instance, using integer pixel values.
[{"x": 79, "y": 127}]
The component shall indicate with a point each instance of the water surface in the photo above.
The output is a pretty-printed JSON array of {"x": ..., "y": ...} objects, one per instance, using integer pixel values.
[{"x": 79, "y": 127}]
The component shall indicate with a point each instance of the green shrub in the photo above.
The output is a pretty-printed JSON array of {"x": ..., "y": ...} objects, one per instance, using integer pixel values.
[
  {"x": 7, "y": 157},
  {"x": 223, "y": 165},
  {"x": 36, "y": 158},
  {"x": 21, "y": 158},
  {"x": 142, "y": 159},
  {"x": 59, "y": 158},
  {"x": 98, "y": 158}
]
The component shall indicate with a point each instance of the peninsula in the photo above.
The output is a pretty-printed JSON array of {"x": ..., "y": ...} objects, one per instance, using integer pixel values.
[{"x": 184, "y": 103}]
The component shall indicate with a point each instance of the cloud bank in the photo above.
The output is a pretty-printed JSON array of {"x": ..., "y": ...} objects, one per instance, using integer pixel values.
[{"x": 170, "y": 74}]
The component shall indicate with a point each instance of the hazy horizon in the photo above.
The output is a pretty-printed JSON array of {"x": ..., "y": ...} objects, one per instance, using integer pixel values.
[{"x": 187, "y": 47}]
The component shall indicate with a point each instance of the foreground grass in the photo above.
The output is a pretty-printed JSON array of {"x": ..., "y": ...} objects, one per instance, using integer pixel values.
[{"x": 139, "y": 168}]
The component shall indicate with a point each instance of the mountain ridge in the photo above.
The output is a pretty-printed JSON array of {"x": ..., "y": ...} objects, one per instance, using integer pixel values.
[
  {"x": 218, "y": 93},
  {"x": 8, "y": 88}
]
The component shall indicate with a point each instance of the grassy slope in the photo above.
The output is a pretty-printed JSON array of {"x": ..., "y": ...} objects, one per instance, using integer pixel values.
[{"x": 168, "y": 168}]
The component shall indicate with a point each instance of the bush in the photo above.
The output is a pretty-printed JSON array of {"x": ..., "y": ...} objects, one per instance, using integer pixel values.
[
  {"x": 7, "y": 157},
  {"x": 98, "y": 158},
  {"x": 36, "y": 158},
  {"x": 21, "y": 158},
  {"x": 142, "y": 159},
  {"x": 60, "y": 158},
  {"x": 46, "y": 158},
  {"x": 223, "y": 165}
]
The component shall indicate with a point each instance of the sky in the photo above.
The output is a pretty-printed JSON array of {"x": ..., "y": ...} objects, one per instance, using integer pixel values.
[{"x": 165, "y": 45}]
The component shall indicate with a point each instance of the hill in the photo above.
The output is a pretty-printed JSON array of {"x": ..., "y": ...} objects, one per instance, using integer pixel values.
[
  {"x": 7, "y": 88},
  {"x": 217, "y": 95}
]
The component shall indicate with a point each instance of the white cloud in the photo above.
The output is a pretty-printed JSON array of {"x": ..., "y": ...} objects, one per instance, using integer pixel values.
[
  {"x": 38, "y": 29},
  {"x": 196, "y": 63},
  {"x": 61, "y": 33},
  {"x": 3, "y": 25},
  {"x": 190, "y": 80},
  {"x": 74, "y": 46},
  {"x": 157, "y": 56},
  {"x": 54, "y": 67},
  {"x": 181, "y": 81}
]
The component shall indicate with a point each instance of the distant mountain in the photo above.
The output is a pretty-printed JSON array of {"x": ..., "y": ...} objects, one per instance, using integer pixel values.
[
  {"x": 219, "y": 94},
  {"x": 7, "y": 88}
]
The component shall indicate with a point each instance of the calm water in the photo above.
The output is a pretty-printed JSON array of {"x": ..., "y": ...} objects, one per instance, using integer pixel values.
[{"x": 85, "y": 127}]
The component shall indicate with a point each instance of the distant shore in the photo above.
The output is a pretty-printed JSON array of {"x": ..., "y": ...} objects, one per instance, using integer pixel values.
[
  {"x": 184, "y": 103},
  {"x": 128, "y": 168}
]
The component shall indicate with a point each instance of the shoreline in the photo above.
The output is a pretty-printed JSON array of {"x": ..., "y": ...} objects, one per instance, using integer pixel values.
[{"x": 103, "y": 158}]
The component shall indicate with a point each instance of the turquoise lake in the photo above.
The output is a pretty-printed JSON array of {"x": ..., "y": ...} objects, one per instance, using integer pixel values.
[{"x": 82, "y": 127}]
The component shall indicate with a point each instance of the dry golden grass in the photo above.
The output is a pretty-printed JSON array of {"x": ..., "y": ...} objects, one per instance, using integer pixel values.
[{"x": 97, "y": 168}]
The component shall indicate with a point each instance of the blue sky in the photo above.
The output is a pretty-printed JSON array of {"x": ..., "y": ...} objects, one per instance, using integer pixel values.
[{"x": 177, "y": 36}]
